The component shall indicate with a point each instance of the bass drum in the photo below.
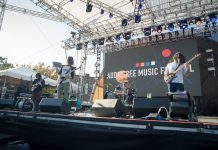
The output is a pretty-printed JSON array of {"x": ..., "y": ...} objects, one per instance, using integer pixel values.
[{"x": 25, "y": 105}]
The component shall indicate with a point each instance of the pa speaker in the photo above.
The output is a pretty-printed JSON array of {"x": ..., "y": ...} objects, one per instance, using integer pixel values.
[
  {"x": 54, "y": 106},
  {"x": 7, "y": 103},
  {"x": 144, "y": 106},
  {"x": 180, "y": 105},
  {"x": 109, "y": 108}
]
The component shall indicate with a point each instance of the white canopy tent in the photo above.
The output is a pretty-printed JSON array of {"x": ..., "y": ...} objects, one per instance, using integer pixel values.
[{"x": 25, "y": 74}]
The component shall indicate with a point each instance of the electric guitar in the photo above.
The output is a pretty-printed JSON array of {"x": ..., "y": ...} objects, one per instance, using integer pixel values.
[
  {"x": 34, "y": 86},
  {"x": 171, "y": 76},
  {"x": 61, "y": 79}
]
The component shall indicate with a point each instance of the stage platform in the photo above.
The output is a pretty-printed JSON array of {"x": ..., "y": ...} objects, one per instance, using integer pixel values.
[{"x": 83, "y": 131}]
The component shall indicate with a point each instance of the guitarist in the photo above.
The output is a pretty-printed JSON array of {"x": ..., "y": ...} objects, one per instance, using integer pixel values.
[
  {"x": 66, "y": 73},
  {"x": 37, "y": 86},
  {"x": 177, "y": 82}
]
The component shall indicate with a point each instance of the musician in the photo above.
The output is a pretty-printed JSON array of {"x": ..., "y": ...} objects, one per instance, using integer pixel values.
[
  {"x": 177, "y": 84},
  {"x": 66, "y": 73},
  {"x": 37, "y": 86}
]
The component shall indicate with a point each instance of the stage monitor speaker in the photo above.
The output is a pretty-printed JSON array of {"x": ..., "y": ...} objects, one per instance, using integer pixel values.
[
  {"x": 7, "y": 103},
  {"x": 54, "y": 106},
  {"x": 180, "y": 105},
  {"x": 109, "y": 108},
  {"x": 144, "y": 106}
]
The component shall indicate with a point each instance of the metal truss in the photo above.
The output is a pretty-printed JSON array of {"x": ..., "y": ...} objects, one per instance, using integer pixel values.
[
  {"x": 33, "y": 13},
  {"x": 107, "y": 8},
  {"x": 152, "y": 40},
  {"x": 2, "y": 11},
  {"x": 170, "y": 11},
  {"x": 53, "y": 8}
]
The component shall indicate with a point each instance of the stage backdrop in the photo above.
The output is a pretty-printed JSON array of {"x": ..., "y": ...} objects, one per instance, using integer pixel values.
[{"x": 145, "y": 67}]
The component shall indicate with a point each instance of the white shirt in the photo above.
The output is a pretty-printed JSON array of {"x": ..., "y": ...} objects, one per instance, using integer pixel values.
[
  {"x": 66, "y": 73},
  {"x": 171, "y": 67}
]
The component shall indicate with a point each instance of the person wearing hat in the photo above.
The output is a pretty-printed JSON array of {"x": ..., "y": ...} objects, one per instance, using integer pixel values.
[
  {"x": 37, "y": 86},
  {"x": 66, "y": 73},
  {"x": 177, "y": 83}
]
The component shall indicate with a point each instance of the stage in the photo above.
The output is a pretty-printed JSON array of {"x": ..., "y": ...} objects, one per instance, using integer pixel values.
[{"x": 84, "y": 131}]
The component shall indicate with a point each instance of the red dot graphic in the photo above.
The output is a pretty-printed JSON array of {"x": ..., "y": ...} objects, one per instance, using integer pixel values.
[{"x": 166, "y": 52}]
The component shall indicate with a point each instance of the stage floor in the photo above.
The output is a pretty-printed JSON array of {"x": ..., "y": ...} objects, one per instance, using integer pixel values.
[{"x": 83, "y": 131}]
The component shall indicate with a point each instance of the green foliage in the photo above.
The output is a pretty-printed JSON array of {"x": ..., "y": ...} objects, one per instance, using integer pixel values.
[{"x": 4, "y": 63}]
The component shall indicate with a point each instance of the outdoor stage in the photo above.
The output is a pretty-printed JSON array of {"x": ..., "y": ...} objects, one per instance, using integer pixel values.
[{"x": 83, "y": 131}]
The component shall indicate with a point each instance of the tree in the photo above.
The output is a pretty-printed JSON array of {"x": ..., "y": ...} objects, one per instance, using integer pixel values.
[
  {"x": 4, "y": 63},
  {"x": 46, "y": 71}
]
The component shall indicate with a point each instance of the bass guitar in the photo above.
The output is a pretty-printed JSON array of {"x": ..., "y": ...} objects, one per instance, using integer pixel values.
[{"x": 172, "y": 75}]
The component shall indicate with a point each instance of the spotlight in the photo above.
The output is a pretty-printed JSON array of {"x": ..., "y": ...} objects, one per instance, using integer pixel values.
[
  {"x": 117, "y": 38},
  {"x": 183, "y": 24},
  {"x": 111, "y": 15},
  {"x": 127, "y": 35},
  {"x": 171, "y": 27},
  {"x": 102, "y": 11},
  {"x": 94, "y": 43},
  {"x": 147, "y": 31},
  {"x": 79, "y": 46},
  {"x": 140, "y": 6},
  {"x": 101, "y": 41},
  {"x": 110, "y": 39},
  {"x": 198, "y": 21},
  {"x": 124, "y": 22},
  {"x": 88, "y": 7},
  {"x": 159, "y": 29},
  {"x": 73, "y": 34},
  {"x": 213, "y": 17},
  {"x": 137, "y": 18},
  {"x": 176, "y": 33}
]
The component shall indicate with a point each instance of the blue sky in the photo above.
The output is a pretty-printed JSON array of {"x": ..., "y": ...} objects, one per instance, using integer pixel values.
[{"x": 26, "y": 39}]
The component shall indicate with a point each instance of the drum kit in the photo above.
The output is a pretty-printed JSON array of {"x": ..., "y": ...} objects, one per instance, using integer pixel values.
[{"x": 123, "y": 91}]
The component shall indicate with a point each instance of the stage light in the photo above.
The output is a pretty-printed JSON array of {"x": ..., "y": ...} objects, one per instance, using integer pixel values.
[
  {"x": 124, "y": 22},
  {"x": 183, "y": 24},
  {"x": 213, "y": 17},
  {"x": 73, "y": 34},
  {"x": 176, "y": 33},
  {"x": 141, "y": 1},
  {"x": 159, "y": 29},
  {"x": 110, "y": 38},
  {"x": 79, "y": 46},
  {"x": 137, "y": 18},
  {"x": 117, "y": 38},
  {"x": 140, "y": 6},
  {"x": 111, "y": 15},
  {"x": 88, "y": 7},
  {"x": 171, "y": 27},
  {"x": 147, "y": 31},
  {"x": 102, "y": 11},
  {"x": 198, "y": 21},
  {"x": 127, "y": 35},
  {"x": 101, "y": 41},
  {"x": 94, "y": 43}
]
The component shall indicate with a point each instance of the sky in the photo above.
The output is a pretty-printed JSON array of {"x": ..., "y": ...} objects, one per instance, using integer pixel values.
[{"x": 27, "y": 39}]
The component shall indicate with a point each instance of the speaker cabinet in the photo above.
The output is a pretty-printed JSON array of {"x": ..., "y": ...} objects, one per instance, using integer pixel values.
[
  {"x": 109, "y": 108},
  {"x": 54, "y": 106},
  {"x": 144, "y": 106},
  {"x": 7, "y": 103},
  {"x": 180, "y": 105}
]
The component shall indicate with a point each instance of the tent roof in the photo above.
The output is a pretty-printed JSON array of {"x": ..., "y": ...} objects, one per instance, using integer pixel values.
[{"x": 25, "y": 74}]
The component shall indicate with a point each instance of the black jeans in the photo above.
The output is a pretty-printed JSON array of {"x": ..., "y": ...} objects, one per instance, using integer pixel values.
[{"x": 175, "y": 87}]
